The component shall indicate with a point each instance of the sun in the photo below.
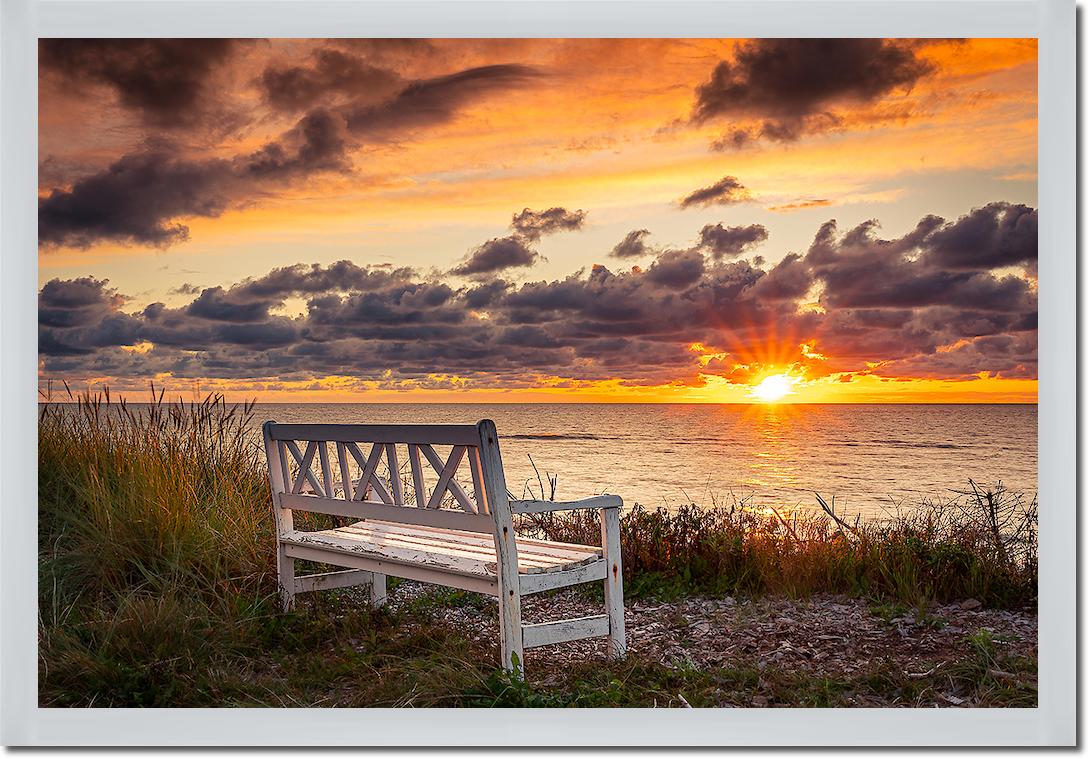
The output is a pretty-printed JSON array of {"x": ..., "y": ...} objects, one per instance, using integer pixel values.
[{"x": 773, "y": 388}]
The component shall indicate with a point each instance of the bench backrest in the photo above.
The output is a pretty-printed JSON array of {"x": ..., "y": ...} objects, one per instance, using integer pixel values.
[{"x": 389, "y": 472}]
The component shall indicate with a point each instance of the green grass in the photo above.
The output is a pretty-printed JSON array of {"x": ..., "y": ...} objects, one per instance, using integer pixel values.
[
  {"x": 333, "y": 652},
  {"x": 157, "y": 588},
  {"x": 936, "y": 552}
]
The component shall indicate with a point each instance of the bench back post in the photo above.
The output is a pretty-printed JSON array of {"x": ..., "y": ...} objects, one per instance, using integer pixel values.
[
  {"x": 284, "y": 519},
  {"x": 498, "y": 505},
  {"x": 285, "y": 522}
]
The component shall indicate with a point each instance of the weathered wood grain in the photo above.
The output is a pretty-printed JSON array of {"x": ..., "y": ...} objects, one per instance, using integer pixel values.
[
  {"x": 532, "y": 583},
  {"x": 474, "y": 583},
  {"x": 277, "y": 477},
  {"x": 547, "y": 506},
  {"x": 332, "y": 580},
  {"x": 510, "y": 644},
  {"x": 613, "y": 582},
  {"x": 428, "y": 434},
  {"x": 567, "y": 630}
]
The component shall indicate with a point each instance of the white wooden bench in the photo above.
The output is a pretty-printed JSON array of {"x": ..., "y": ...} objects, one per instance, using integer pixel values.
[{"x": 439, "y": 533}]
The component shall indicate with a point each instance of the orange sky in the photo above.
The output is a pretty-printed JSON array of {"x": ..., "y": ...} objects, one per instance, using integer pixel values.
[{"x": 232, "y": 161}]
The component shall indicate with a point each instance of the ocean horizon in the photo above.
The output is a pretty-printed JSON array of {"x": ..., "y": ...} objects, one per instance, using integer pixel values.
[{"x": 871, "y": 458}]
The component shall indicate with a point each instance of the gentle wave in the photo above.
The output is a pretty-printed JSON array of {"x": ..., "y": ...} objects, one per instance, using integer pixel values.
[
  {"x": 555, "y": 437},
  {"x": 905, "y": 443}
]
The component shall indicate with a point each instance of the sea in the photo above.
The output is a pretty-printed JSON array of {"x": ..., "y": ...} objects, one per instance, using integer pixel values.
[{"x": 874, "y": 460}]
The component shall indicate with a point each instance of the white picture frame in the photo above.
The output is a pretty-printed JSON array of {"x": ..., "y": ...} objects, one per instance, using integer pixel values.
[{"x": 1051, "y": 21}]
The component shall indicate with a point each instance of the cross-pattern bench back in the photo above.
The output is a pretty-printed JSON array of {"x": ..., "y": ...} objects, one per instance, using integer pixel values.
[{"x": 359, "y": 471}]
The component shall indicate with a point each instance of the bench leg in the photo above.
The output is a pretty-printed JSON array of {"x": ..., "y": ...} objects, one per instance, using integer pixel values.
[
  {"x": 511, "y": 646},
  {"x": 613, "y": 582},
  {"x": 285, "y": 567},
  {"x": 377, "y": 590}
]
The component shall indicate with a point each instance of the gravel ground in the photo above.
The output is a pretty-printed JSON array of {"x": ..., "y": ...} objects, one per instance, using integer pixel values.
[{"x": 826, "y": 635}]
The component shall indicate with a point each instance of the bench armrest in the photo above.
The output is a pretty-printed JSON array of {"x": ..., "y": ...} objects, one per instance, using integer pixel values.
[{"x": 597, "y": 502}]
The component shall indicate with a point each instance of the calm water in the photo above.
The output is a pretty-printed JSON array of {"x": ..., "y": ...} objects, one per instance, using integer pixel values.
[{"x": 864, "y": 455}]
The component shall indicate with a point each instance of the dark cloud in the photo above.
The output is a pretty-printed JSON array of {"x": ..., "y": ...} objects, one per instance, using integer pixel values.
[
  {"x": 1006, "y": 356},
  {"x": 727, "y": 191},
  {"x": 135, "y": 200},
  {"x": 486, "y": 294},
  {"x": 77, "y": 293},
  {"x": 496, "y": 255},
  {"x": 216, "y": 304},
  {"x": 76, "y": 302},
  {"x": 994, "y": 236},
  {"x": 329, "y": 73},
  {"x": 790, "y": 279},
  {"x": 860, "y": 270},
  {"x": 730, "y": 241},
  {"x": 165, "y": 80},
  {"x": 633, "y": 245},
  {"x": 318, "y": 142},
  {"x": 792, "y": 86},
  {"x": 677, "y": 269},
  {"x": 532, "y": 225},
  {"x": 140, "y": 198},
  {"x": 890, "y": 307},
  {"x": 514, "y": 250},
  {"x": 431, "y": 102},
  {"x": 79, "y": 316},
  {"x": 185, "y": 288},
  {"x": 340, "y": 276}
]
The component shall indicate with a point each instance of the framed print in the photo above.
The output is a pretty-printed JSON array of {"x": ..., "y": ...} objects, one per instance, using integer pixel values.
[{"x": 643, "y": 369}]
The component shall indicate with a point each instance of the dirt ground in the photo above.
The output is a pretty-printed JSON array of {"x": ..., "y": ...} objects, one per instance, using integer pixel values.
[{"x": 827, "y": 636}]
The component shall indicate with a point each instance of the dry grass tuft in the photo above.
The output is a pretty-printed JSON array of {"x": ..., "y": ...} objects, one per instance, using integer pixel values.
[{"x": 980, "y": 544}]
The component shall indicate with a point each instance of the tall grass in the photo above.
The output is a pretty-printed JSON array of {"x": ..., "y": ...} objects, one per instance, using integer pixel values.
[
  {"x": 170, "y": 495},
  {"x": 154, "y": 537},
  {"x": 980, "y": 544},
  {"x": 157, "y": 577}
]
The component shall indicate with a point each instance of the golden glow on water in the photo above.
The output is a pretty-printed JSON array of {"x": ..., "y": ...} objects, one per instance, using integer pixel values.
[{"x": 773, "y": 432}]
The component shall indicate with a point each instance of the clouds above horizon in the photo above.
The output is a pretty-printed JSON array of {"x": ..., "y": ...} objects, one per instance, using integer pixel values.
[
  {"x": 139, "y": 198},
  {"x": 143, "y": 196},
  {"x": 726, "y": 191},
  {"x": 515, "y": 250},
  {"x": 793, "y": 87},
  {"x": 522, "y": 212},
  {"x": 532, "y": 225},
  {"x": 913, "y": 306}
]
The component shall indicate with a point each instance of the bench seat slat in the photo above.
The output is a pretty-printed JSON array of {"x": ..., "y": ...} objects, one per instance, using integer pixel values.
[
  {"x": 476, "y": 552},
  {"x": 526, "y": 541},
  {"x": 474, "y": 582},
  {"x": 452, "y": 551},
  {"x": 481, "y": 551},
  {"x": 525, "y": 545}
]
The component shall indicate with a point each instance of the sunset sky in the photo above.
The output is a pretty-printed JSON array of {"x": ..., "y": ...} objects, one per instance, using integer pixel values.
[{"x": 540, "y": 220}]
